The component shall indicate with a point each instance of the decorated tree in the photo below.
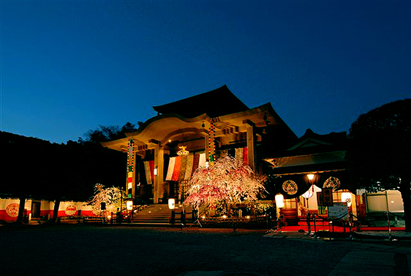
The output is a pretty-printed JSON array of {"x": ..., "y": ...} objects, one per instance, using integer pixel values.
[
  {"x": 226, "y": 182},
  {"x": 112, "y": 197}
]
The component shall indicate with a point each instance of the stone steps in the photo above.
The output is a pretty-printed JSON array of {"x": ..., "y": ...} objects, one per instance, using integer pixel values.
[{"x": 157, "y": 213}]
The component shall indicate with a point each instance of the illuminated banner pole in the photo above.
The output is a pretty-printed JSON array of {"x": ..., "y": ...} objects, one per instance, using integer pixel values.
[{"x": 130, "y": 167}]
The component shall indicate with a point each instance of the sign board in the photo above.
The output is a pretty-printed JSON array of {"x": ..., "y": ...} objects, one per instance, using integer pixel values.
[
  {"x": 325, "y": 197},
  {"x": 338, "y": 211}
]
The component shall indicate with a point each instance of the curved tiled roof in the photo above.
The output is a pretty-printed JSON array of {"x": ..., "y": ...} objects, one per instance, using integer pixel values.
[{"x": 218, "y": 102}]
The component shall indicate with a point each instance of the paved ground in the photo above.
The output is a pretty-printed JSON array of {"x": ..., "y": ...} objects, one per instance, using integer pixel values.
[{"x": 124, "y": 250}]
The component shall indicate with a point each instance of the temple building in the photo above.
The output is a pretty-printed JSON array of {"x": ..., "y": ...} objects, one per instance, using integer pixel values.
[
  {"x": 166, "y": 150},
  {"x": 312, "y": 176}
]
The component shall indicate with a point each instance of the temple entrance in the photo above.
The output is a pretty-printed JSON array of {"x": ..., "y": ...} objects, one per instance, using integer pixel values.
[{"x": 35, "y": 209}]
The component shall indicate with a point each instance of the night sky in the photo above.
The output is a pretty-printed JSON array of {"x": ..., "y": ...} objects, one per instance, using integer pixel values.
[{"x": 70, "y": 66}]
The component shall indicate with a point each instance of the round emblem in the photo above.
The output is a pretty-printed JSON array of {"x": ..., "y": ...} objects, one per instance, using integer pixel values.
[
  {"x": 71, "y": 210},
  {"x": 12, "y": 210},
  {"x": 332, "y": 182},
  {"x": 290, "y": 187}
]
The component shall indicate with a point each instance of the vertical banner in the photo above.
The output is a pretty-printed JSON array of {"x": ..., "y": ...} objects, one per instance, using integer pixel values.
[
  {"x": 328, "y": 196},
  {"x": 170, "y": 168},
  {"x": 189, "y": 168},
  {"x": 245, "y": 156},
  {"x": 177, "y": 166},
  {"x": 202, "y": 160},
  {"x": 196, "y": 161},
  {"x": 147, "y": 172},
  {"x": 130, "y": 166},
  {"x": 151, "y": 163},
  {"x": 211, "y": 144},
  {"x": 183, "y": 167},
  {"x": 239, "y": 155}
]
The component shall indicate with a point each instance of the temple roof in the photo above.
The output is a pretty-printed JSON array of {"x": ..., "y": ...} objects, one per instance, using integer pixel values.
[
  {"x": 312, "y": 153},
  {"x": 215, "y": 103}
]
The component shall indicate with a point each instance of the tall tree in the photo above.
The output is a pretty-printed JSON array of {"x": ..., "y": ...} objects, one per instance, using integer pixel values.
[{"x": 379, "y": 151}]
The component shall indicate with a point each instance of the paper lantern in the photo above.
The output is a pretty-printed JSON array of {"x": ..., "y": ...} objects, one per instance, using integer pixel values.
[
  {"x": 171, "y": 203},
  {"x": 130, "y": 205}
]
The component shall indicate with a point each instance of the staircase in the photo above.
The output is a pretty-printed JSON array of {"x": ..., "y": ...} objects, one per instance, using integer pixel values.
[{"x": 159, "y": 214}]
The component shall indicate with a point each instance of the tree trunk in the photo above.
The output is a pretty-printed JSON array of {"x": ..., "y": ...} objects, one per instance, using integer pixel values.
[
  {"x": 405, "y": 193},
  {"x": 21, "y": 210},
  {"x": 56, "y": 211}
]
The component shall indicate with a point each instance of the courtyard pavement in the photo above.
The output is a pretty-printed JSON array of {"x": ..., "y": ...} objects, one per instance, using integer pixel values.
[{"x": 193, "y": 251}]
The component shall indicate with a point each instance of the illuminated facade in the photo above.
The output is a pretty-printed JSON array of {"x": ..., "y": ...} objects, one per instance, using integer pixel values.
[
  {"x": 193, "y": 132},
  {"x": 311, "y": 175}
]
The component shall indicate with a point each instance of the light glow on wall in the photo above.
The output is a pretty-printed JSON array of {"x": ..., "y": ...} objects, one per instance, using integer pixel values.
[
  {"x": 346, "y": 197},
  {"x": 279, "y": 200}
]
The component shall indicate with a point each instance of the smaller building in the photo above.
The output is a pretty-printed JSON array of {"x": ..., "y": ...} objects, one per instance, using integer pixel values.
[{"x": 303, "y": 172}]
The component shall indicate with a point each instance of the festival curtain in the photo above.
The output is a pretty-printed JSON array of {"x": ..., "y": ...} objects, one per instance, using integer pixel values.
[
  {"x": 147, "y": 172},
  {"x": 183, "y": 167},
  {"x": 189, "y": 168},
  {"x": 245, "y": 156},
  {"x": 170, "y": 168},
  {"x": 202, "y": 160},
  {"x": 151, "y": 162},
  {"x": 196, "y": 160},
  {"x": 177, "y": 167},
  {"x": 239, "y": 155}
]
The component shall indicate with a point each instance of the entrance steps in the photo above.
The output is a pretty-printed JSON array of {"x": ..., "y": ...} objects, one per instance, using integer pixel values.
[
  {"x": 160, "y": 214},
  {"x": 156, "y": 213}
]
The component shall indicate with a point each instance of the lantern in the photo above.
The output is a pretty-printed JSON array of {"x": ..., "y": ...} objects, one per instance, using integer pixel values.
[
  {"x": 129, "y": 205},
  {"x": 171, "y": 203}
]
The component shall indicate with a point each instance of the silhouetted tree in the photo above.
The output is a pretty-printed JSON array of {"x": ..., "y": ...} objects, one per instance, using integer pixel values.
[
  {"x": 379, "y": 151},
  {"x": 37, "y": 169},
  {"x": 108, "y": 133}
]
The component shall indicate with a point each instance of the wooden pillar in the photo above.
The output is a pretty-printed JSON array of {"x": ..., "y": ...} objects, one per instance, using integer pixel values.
[{"x": 251, "y": 140}]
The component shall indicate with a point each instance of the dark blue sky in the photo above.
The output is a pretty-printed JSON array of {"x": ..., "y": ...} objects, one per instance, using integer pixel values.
[{"x": 70, "y": 66}]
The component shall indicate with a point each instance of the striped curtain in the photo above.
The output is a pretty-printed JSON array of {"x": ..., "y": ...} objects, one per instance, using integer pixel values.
[
  {"x": 147, "y": 172},
  {"x": 196, "y": 160},
  {"x": 151, "y": 162},
  {"x": 202, "y": 160},
  {"x": 170, "y": 168},
  {"x": 189, "y": 168},
  {"x": 183, "y": 167},
  {"x": 245, "y": 156},
  {"x": 177, "y": 167},
  {"x": 239, "y": 155}
]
